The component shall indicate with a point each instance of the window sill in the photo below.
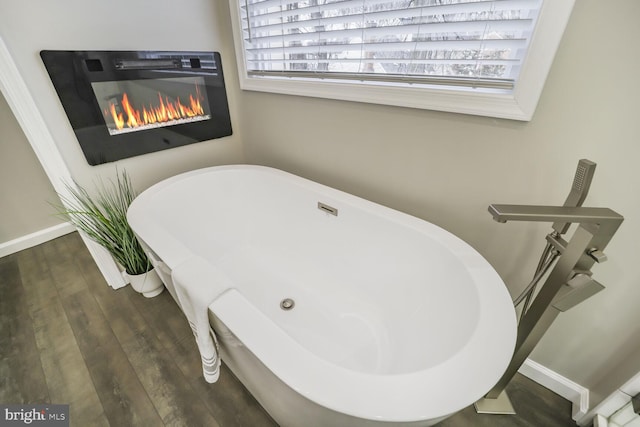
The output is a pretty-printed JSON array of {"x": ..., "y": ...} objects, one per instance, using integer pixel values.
[{"x": 465, "y": 101}]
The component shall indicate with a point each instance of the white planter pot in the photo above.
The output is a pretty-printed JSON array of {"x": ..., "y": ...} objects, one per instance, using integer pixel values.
[{"x": 148, "y": 284}]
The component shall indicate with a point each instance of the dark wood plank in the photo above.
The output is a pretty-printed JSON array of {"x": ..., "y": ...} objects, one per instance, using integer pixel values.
[
  {"x": 85, "y": 267},
  {"x": 174, "y": 400},
  {"x": 62, "y": 266},
  {"x": 67, "y": 374},
  {"x": 233, "y": 403},
  {"x": 22, "y": 378},
  {"x": 36, "y": 279},
  {"x": 173, "y": 332},
  {"x": 535, "y": 405},
  {"x": 538, "y": 405},
  {"x": 123, "y": 397}
]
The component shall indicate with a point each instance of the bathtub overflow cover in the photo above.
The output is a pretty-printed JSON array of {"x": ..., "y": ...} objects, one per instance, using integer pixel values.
[{"x": 287, "y": 304}]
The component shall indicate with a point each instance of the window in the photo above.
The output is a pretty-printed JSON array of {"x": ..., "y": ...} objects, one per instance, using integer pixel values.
[{"x": 487, "y": 57}]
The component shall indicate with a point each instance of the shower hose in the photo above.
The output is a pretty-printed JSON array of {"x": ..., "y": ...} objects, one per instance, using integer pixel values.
[{"x": 548, "y": 257}]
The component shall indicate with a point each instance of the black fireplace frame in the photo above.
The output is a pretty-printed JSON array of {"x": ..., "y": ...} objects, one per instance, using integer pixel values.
[{"x": 72, "y": 73}]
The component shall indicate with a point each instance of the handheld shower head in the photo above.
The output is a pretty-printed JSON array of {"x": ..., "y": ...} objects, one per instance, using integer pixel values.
[
  {"x": 581, "y": 183},
  {"x": 579, "y": 189}
]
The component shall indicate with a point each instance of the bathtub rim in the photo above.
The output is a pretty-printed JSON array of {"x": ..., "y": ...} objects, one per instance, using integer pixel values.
[
  {"x": 494, "y": 321},
  {"x": 175, "y": 253}
]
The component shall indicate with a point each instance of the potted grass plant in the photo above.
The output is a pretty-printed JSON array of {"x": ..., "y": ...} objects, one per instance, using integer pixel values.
[{"x": 103, "y": 218}]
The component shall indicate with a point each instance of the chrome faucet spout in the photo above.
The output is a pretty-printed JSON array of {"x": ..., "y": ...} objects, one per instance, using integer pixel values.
[{"x": 565, "y": 214}]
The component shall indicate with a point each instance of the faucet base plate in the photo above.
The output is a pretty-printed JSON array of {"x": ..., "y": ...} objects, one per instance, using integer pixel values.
[{"x": 501, "y": 405}]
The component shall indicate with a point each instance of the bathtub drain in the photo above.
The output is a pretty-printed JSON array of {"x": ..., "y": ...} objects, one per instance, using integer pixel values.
[{"x": 287, "y": 304}]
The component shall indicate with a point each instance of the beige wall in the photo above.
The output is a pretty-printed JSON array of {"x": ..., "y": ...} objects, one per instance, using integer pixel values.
[
  {"x": 24, "y": 187},
  {"x": 446, "y": 168}
]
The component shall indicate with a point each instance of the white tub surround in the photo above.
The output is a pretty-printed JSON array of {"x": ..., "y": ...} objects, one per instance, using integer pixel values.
[{"x": 395, "y": 319}]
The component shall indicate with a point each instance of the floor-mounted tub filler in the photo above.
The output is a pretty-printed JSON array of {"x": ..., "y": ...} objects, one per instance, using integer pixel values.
[{"x": 332, "y": 310}]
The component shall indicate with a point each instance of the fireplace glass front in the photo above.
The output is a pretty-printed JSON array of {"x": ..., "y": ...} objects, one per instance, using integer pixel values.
[{"x": 123, "y": 103}]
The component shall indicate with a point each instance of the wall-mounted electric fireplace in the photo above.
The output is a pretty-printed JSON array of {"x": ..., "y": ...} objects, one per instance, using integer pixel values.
[{"x": 126, "y": 103}]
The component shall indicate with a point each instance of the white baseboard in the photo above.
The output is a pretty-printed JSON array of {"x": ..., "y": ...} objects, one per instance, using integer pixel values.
[
  {"x": 573, "y": 392},
  {"x": 600, "y": 421},
  {"x": 612, "y": 403},
  {"x": 34, "y": 239}
]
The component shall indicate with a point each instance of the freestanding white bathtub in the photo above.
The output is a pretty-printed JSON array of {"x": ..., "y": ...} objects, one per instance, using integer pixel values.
[{"x": 395, "y": 320}]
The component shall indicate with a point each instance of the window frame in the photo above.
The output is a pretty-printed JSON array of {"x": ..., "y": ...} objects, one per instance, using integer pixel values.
[{"x": 517, "y": 104}]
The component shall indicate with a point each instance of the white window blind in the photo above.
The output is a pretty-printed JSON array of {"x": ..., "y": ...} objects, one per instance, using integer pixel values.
[{"x": 474, "y": 43}]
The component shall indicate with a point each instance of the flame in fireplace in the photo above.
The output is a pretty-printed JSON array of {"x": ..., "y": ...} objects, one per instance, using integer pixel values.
[{"x": 164, "y": 111}]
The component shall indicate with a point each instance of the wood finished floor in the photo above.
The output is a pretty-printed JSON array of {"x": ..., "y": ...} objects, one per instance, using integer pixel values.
[{"x": 120, "y": 359}]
